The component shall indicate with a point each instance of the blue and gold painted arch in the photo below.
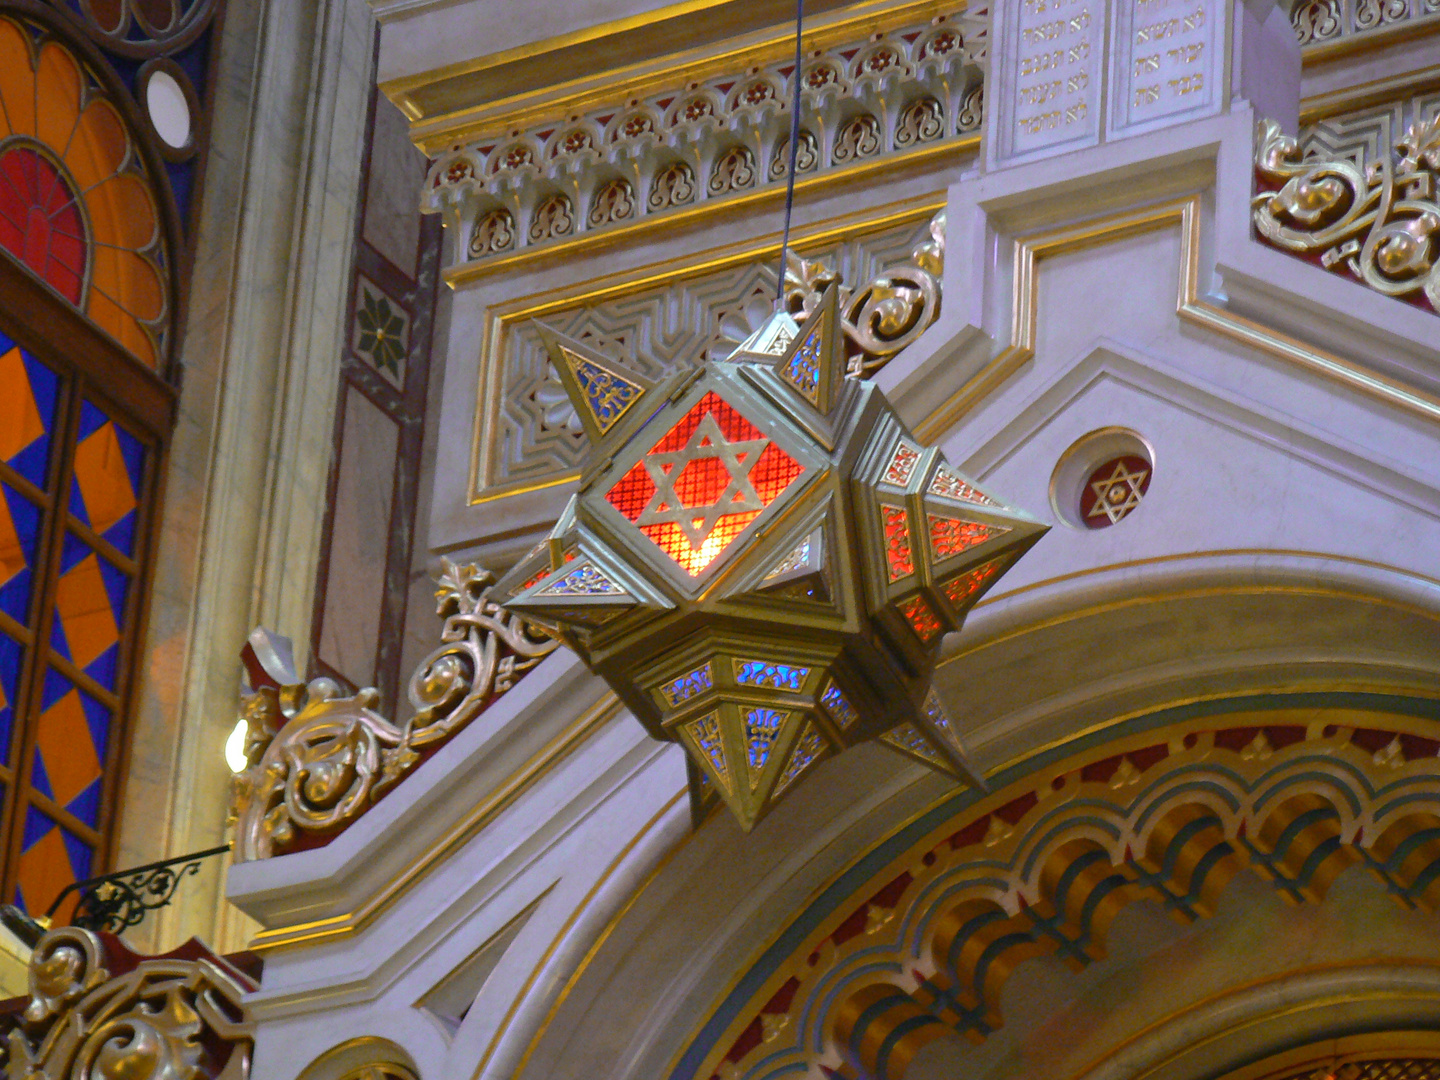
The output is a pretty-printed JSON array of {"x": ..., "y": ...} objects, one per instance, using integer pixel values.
[{"x": 919, "y": 935}]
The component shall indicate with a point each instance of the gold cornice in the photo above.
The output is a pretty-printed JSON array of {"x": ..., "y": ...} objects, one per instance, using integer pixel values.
[
  {"x": 588, "y": 244},
  {"x": 496, "y": 94},
  {"x": 1184, "y": 213},
  {"x": 1324, "y": 52},
  {"x": 502, "y": 316},
  {"x": 515, "y": 785},
  {"x": 1364, "y": 95}
]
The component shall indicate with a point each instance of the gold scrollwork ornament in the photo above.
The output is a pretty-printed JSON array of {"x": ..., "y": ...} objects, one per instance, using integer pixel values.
[
  {"x": 887, "y": 313},
  {"x": 317, "y": 759},
  {"x": 1380, "y": 221},
  {"x": 161, "y": 1020}
]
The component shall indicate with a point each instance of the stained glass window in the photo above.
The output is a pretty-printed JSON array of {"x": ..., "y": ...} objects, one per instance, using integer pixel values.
[
  {"x": 73, "y": 207},
  {"x": 73, "y": 490}
]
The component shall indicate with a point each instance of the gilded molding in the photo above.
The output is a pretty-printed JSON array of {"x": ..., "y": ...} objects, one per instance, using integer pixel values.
[
  {"x": 1027, "y": 253},
  {"x": 1379, "y": 222},
  {"x": 96, "y": 1009},
  {"x": 629, "y": 159},
  {"x": 318, "y": 760},
  {"x": 574, "y": 71},
  {"x": 925, "y": 946}
]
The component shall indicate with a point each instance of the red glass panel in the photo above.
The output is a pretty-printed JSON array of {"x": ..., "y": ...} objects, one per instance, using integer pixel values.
[
  {"x": 921, "y": 619},
  {"x": 960, "y": 590},
  {"x": 703, "y": 483},
  {"x": 951, "y": 536},
  {"x": 898, "y": 556},
  {"x": 40, "y": 223}
]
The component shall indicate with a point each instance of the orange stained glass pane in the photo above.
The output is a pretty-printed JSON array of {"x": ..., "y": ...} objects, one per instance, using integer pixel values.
[
  {"x": 705, "y": 469},
  {"x": 121, "y": 325},
  {"x": 20, "y": 422},
  {"x": 44, "y": 871},
  {"x": 921, "y": 619},
  {"x": 122, "y": 212},
  {"x": 66, "y": 748},
  {"x": 104, "y": 481},
  {"x": 692, "y": 559},
  {"x": 84, "y": 609},
  {"x": 57, "y": 96},
  {"x": 99, "y": 146},
  {"x": 129, "y": 280},
  {"x": 17, "y": 79}
]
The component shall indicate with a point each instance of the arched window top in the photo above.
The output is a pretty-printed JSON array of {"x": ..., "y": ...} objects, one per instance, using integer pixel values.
[{"x": 77, "y": 206}]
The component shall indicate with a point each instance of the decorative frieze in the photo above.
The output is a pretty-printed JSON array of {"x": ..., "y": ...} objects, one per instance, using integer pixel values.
[
  {"x": 318, "y": 759},
  {"x": 1319, "y": 22},
  {"x": 701, "y": 142},
  {"x": 1171, "y": 820},
  {"x": 1361, "y": 207}
]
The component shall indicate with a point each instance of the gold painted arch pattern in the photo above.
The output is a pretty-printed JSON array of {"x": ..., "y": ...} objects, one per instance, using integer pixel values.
[
  {"x": 77, "y": 206},
  {"x": 1042, "y": 867}
]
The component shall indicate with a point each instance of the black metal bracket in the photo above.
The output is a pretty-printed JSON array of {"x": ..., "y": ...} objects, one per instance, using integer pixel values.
[{"x": 118, "y": 901}]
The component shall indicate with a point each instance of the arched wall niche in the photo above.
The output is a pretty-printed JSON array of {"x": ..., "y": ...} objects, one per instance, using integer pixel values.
[{"x": 1235, "y": 725}]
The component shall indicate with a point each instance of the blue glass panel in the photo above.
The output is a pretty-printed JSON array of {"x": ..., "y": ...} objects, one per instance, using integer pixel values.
[
  {"x": 12, "y": 655},
  {"x": 19, "y": 532}
]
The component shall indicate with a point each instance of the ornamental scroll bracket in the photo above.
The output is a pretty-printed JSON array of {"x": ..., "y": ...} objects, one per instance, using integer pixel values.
[
  {"x": 883, "y": 316},
  {"x": 317, "y": 758},
  {"x": 1379, "y": 221},
  {"x": 97, "y": 1009}
]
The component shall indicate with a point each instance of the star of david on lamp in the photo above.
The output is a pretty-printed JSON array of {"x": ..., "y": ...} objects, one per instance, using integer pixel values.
[{"x": 761, "y": 560}]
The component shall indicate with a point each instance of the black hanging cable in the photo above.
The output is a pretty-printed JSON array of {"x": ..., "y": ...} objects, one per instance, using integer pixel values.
[{"x": 794, "y": 149}]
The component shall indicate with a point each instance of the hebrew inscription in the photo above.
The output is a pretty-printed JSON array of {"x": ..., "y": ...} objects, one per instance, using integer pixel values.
[
  {"x": 1166, "y": 54},
  {"x": 1056, "y": 74}
]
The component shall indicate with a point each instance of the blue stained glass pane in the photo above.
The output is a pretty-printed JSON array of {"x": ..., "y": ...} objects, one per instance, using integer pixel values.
[
  {"x": 12, "y": 654},
  {"x": 19, "y": 532},
  {"x": 36, "y": 826},
  {"x": 82, "y": 855},
  {"x": 31, "y": 382},
  {"x": 762, "y": 728},
  {"x": 122, "y": 534},
  {"x": 762, "y": 673},
  {"x": 91, "y": 420},
  {"x": 688, "y": 685},
  {"x": 40, "y": 779},
  {"x": 86, "y": 805}
]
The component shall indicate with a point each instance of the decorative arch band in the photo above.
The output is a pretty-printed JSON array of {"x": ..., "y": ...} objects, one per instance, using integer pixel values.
[{"x": 1296, "y": 788}]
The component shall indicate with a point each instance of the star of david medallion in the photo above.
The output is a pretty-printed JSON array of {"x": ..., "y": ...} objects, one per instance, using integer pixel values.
[{"x": 762, "y": 561}]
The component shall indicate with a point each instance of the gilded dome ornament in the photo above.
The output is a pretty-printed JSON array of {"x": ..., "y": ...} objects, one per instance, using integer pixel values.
[{"x": 762, "y": 560}]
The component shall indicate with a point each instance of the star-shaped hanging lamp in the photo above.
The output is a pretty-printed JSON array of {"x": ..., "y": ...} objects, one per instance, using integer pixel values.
[{"x": 761, "y": 560}]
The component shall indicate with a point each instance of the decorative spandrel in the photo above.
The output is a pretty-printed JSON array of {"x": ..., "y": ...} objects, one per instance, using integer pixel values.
[{"x": 762, "y": 561}]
